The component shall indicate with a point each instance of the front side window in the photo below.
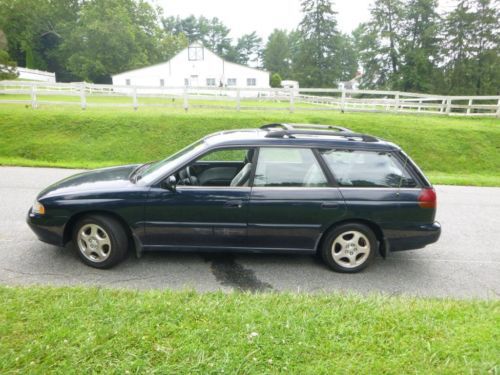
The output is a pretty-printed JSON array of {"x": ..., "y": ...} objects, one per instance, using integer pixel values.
[
  {"x": 367, "y": 169},
  {"x": 231, "y": 81},
  {"x": 251, "y": 82},
  {"x": 162, "y": 82},
  {"x": 127, "y": 82},
  {"x": 288, "y": 167},
  {"x": 210, "y": 81},
  {"x": 228, "y": 167}
]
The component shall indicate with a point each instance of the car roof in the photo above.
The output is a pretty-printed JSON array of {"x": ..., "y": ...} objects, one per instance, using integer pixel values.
[{"x": 299, "y": 135}]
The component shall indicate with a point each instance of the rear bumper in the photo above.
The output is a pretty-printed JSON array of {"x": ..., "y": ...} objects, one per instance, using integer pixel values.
[
  {"x": 416, "y": 238},
  {"x": 49, "y": 230}
]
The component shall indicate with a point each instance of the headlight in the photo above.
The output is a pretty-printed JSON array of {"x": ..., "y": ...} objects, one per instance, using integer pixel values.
[{"x": 38, "y": 208}]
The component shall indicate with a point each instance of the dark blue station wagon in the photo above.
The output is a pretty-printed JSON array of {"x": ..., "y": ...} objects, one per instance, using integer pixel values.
[{"x": 281, "y": 188}]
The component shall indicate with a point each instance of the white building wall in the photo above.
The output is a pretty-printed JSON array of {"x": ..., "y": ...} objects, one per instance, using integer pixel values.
[
  {"x": 180, "y": 70},
  {"x": 36, "y": 75}
]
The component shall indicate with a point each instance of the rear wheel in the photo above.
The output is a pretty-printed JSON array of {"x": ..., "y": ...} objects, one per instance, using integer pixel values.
[
  {"x": 349, "y": 248},
  {"x": 100, "y": 241}
]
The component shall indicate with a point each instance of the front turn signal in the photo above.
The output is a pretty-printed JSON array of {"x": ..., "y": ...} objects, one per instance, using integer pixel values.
[{"x": 38, "y": 208}]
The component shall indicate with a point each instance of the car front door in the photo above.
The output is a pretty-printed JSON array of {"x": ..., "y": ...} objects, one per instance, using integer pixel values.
[
  {"x": 291, "y": 201},
  {"x": 196, "y": 215}
]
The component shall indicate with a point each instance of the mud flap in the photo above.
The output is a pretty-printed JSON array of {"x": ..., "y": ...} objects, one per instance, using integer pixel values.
[
  {"x": 138, "y": 247},
  {"x": 384, "y": 248}
]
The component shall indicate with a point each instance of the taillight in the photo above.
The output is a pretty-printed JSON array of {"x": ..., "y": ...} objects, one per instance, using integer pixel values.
[{"x": 427, "y": 198}]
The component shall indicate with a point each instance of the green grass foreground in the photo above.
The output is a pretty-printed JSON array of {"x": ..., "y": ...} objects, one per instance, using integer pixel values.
[
  {"x": 88, "y": 330},
  {"x": 450, "y": 150}
]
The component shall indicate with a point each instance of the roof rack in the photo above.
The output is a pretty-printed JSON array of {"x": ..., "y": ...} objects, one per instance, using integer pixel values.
[
  {"x": 289, "y": 130},
  {"x": 304, "y": 126}
]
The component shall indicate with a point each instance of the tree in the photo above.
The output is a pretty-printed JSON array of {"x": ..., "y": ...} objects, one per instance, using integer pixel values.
[
  {"x": 212, "y": 33},
  {"x": 275, "y": 80},
  {"x": 277, "y": 54},
  {"x": 472, "y": 48},
  {"x": 112, "y": 36},
  {"x": 248, "y": 48},
  {"x": 7, "y": 66},
  {"x": 316, "y": 63},
  {"x": 379, "y": 43},
  {"x": 419, "y": 47}
]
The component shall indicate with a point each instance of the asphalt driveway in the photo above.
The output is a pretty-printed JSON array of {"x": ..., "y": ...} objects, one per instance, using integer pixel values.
[{"x": 464, "y": 263}]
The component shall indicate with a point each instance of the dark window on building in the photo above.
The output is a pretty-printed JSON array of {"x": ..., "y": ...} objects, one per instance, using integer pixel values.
[
  {"x": 127, "y": 82},
  {"x": 162, "y": 82},
  {"x": 251, "y": 82},
  {"x": 231, "y": 81},
  {"x": 210, "y": 81}
]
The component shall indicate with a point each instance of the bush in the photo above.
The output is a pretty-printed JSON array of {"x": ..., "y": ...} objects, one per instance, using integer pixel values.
[{"x": 275, "y": 80}]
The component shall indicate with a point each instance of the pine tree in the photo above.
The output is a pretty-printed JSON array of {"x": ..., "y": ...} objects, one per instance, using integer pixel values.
[{"x": 316, "y": 64}]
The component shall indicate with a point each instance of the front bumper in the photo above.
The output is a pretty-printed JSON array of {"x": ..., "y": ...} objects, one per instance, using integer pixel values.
[
  {"x": 416, "y": 238},
  {"x": 47, "y": 229}
]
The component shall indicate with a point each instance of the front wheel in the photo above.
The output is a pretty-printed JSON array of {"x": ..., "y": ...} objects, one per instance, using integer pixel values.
[
  {"x": 101, "y": 241},
  {"x": 349, "y": 248}
]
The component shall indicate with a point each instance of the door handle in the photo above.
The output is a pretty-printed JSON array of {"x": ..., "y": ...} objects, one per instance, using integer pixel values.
[
  {"x": 330, "y": 205},
  {"x": 233, "y": 204}
]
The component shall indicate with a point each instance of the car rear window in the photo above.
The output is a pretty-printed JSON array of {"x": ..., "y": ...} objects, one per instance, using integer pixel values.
[{"x": 367, "y": 169}]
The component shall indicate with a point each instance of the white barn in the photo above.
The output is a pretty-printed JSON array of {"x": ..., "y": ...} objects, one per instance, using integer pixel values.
[{"x": 195, "y": 66}]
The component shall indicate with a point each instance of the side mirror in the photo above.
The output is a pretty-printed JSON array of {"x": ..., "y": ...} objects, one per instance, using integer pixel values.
[{"x": 170, "y": 183}]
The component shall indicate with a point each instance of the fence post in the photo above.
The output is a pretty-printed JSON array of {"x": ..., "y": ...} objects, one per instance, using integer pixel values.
[
  {"x": 468, "y": 107},
  {"x": 83, "y": 99},
  {"x": 448, "y": 106},
  {"x": 292, "y": 101},
  {"x": 342, "y": 100},
  {"x": 238, "y": 100},
  {"x": 396, "y": 98},
  {"x": 135, "y": 102},
  {"x": 33, "y": 96},
  {"x": 186, "y": 99},
  {"x": 419, "y": 105},
  {"x": 441, "y": 109}
]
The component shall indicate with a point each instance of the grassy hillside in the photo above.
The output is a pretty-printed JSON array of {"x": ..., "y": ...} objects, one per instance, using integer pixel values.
[
  {"x": 94, "y": 330},
  {"x": 450, "y": 150}
]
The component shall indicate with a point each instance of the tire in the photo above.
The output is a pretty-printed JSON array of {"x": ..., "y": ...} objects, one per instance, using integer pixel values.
[
  {"x": 100, "y": 241},
  {"x": 349, "y": 248}
]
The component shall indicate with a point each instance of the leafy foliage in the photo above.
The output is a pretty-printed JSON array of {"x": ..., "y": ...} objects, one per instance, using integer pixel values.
[{"x": 275, "y": 80}]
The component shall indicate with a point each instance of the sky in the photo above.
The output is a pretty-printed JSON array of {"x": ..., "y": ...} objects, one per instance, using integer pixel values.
[{"x": 262, "y": 16}]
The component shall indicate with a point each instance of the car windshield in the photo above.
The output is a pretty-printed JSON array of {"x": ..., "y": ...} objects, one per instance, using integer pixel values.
[{"x": 155, "y": 170}]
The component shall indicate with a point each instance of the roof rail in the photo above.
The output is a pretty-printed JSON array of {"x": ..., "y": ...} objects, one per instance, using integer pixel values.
[
  {"x": 289, "y": 130},
  {"x": 304, "y": 126}
]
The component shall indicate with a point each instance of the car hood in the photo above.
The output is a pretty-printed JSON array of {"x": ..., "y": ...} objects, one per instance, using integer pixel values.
[{"x": 114, "y": 178}]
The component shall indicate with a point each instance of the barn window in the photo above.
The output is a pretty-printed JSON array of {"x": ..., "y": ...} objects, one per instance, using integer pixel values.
[
  {"x": 231, "y": 81},
  {"x": 251, "y": 82},
  {"x": 186, "y": 81},
  {"x": 162, "y": 82},
  {"x": 127, "y": 82},
  {"x": 195, "y": 53},
  {"x": 210, "y": 81}
]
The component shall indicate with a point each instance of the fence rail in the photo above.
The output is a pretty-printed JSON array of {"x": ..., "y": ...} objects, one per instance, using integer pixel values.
[{"x": 304, "y": 99}]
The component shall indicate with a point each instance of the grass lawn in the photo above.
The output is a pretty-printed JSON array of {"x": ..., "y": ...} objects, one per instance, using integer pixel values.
[
  {"x": 450, "y": 150},
  {"x": 87, "y": 330}
]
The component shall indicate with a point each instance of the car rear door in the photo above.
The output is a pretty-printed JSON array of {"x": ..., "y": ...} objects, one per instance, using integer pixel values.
[{"x": 292, "y": 201}]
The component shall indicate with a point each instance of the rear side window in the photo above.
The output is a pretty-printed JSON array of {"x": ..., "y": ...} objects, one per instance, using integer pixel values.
[
  {"x": 288, "y": 167},
  {"x": 367, "y": 169}
]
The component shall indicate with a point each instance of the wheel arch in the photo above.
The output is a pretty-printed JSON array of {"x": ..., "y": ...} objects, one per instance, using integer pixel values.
[
  {"x": 379, "y": 234},
  {"x": 68, "y": 228}
]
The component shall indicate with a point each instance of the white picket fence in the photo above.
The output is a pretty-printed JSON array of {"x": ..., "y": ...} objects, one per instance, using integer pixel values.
[{"x": 304, "y": 99}]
